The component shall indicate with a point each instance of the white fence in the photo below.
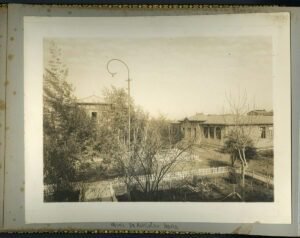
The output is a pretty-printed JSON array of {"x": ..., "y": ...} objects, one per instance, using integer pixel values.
[
  {"x": 180, "y": 175},
  {"x": 268, "y": 179}
]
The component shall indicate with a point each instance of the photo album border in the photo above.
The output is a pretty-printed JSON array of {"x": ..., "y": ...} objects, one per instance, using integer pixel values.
[{"x": 139, "y": 119}]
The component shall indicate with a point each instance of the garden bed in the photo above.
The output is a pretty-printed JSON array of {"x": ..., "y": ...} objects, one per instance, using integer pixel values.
[{"x": 215, "y": 189}]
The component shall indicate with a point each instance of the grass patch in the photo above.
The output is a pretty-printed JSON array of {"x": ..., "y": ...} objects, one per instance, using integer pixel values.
[{"x": 206, "y": 158}]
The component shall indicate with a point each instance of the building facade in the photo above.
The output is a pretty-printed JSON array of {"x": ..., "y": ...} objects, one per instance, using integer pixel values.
[
  {"x": 211, "y": 130},
  {"x": 95, "y": 107}
]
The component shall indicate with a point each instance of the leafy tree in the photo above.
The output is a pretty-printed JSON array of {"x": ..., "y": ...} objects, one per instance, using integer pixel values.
[
  {"x": 68, "y": 131},
  {"x": 231, "y": 145},
  {"x": 112, "y": 131},
  {"x": 118, "y": 118}
]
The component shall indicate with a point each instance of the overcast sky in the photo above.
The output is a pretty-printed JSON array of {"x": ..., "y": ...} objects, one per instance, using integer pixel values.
[{"x": 177, "y": 77}]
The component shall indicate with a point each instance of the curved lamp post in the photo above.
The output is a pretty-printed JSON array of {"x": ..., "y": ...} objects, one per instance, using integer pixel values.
[{"x": 128, "y": 81}]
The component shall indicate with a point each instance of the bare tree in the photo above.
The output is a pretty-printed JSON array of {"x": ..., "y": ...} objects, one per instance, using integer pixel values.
[
  {"x": 239, "y": 137},
  {"x": 153, "y": 155},
  {"x": 155, "y": 150}
]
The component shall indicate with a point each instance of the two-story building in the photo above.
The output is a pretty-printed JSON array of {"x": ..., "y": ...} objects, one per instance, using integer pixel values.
[{"x": 95, "y": 107}]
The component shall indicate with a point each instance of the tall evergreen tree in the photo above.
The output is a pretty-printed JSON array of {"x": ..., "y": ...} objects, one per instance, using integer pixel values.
[{"x": 68, "y": 131}]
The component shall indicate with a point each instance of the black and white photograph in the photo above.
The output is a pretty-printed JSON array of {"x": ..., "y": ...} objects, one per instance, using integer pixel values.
[
  {"x": 158, "y": 114},
  {"x": 165, "y": 119}
]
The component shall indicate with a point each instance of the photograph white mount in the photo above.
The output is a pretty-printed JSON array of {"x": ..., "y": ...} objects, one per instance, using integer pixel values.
[{"x": 144, "y": 118}]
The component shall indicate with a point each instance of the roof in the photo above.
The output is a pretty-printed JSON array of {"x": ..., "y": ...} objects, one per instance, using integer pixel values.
[
  {"x": 198, "y": 117},
  {"x": 241, "y": 120},
  {"x": 261, "y": 112},
  {"x": 175, "y": 122},
  {"x": 229, "y": 119},
  {"x": 92, "y": 100}
]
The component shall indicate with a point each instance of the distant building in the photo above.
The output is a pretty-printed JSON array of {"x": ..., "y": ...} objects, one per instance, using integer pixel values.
[
  {"x": 260, "y": 113},
  {"x": 175, "y": 126},
  {"x": 211, "y": 130},
  {"x": 95, "y": 107}
]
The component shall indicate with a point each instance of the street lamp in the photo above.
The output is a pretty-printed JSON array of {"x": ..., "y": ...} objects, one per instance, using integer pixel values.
[{"x": 128, "y": 81}]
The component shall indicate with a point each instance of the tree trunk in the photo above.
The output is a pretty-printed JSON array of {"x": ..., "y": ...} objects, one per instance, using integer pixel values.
[
  {"x": 147, "y": 189},
  {"x": 244, "y": 166},
  {"x": 233, "y": 159},
  {"x": 243, "y": 175},
  {"x": 128, "y": 192},
  {"x": 128, "y": 195}
]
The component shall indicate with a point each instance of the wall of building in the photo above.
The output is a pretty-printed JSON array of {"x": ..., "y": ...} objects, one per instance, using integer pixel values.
[
  {"x": 97, "y": 111},
  {"x": 191, "y": 130},
  {"x": 262, "y": 135},
  {"x": 215, "y": 135}
]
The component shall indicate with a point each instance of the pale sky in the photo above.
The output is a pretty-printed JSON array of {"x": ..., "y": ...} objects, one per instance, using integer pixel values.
[{"x": 177, "y": 77}]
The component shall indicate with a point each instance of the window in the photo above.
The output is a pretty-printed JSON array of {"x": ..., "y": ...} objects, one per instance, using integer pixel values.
[
  {"x": 195, "y": 132},
  {"x": 183, "y": 131},
  {"x": 189, "y": 132},
  {"x": 271, "y": 132},
  {"x": 94, "y": 115},
  {"x": 212, "y": 132},
  {"x": 205, "y": 132},
  {"x": 218, "y": 133},
  {"x": 263, "y": 132}
]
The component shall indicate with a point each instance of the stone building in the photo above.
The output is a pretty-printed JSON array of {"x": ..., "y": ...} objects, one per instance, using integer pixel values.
[
  {"x": 95, "y": 107},
  {"x": 211, "y": 130}
]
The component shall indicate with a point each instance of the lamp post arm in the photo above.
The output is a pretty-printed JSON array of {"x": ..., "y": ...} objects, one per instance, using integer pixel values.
[
  {"x": 128, "y": 80},
  {"x": 114, "y": 73}
]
